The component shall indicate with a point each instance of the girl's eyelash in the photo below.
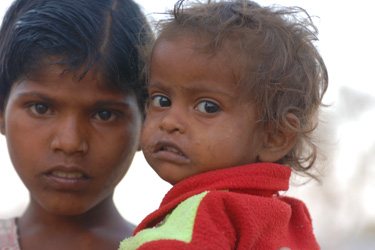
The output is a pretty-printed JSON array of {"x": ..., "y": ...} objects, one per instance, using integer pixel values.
[
  {"x": 40, "y": 108},
  {"x": 114, "y": 115}
]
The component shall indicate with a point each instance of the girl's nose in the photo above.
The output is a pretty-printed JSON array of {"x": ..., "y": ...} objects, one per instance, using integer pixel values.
[
  {"x": 173, "y": 120},
  {"x": 69, "y": 137}
]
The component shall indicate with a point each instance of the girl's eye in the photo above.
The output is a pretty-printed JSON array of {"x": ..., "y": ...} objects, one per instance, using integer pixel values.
[
  {"x": 40, "y": 109},
  {"x": 207, "y": 107},
  {"x": 105, "y": 115},
  {"x": 160, "y": 101}
]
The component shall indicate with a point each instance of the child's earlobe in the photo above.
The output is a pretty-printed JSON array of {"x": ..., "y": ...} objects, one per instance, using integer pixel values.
[{"x": 278, "y": 144}]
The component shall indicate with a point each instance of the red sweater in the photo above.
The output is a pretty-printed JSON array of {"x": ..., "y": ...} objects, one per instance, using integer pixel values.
[{"x": 234, "y": 208}]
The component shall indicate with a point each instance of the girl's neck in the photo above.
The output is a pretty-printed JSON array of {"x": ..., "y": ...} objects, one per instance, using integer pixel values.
[{"x": 102, "y": 227}]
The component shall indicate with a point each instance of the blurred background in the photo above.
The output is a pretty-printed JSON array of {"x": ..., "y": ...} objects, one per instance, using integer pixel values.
[{"x": 343, "y": 206}]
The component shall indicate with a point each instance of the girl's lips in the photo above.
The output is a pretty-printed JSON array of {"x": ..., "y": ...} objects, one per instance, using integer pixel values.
[
  {"x": 70, "y": 175},
  {"x": 67, "y": 177}
]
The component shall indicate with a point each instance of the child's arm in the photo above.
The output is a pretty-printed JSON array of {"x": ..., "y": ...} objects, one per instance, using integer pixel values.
[{"x": 223, "y": 220}]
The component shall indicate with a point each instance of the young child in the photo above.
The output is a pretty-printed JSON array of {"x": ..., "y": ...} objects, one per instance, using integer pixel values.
[
  {"x": 71, "y": 109},
  {"x": 234, "y": 94}
]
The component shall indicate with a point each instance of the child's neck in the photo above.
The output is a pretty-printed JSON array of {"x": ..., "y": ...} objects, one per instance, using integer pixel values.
[{"x": 100, "y": 228}]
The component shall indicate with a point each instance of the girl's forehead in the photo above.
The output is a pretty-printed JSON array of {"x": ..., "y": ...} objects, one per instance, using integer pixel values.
[
  {"x": 48, "y": 72},
  {"x": 54, "y": 87}
]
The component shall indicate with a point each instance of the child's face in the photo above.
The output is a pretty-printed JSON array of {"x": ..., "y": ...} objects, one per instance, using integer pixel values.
[
  {"x": 196, "y": 121},
  {"x": 70, "y": 142}
]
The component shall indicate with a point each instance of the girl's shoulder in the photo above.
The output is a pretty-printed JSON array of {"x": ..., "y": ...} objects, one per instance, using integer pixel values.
[{"x": 8, "y": 234}]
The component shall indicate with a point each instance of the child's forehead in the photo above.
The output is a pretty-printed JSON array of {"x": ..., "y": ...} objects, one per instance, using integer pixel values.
[
  {"x": 194, "y": 50},
  {"x": 201, "y": 46},
  {"x": 201, "y": 59}
]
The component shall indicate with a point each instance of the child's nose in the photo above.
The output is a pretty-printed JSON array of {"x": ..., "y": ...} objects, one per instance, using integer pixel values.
[
  {"x": 173, "y": 120},
  {"x": 69, "y": 136}
]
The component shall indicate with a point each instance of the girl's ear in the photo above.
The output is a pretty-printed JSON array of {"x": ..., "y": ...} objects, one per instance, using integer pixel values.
[
  {"x": 139, "y": 145},
  {"x": 279, "y": 143},
  {"x": 2, "y": 123}
]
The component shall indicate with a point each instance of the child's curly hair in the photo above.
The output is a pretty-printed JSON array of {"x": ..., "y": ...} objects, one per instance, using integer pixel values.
[{"x": 281, "y": 71}]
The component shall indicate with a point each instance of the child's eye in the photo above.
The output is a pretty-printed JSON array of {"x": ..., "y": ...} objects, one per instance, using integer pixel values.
[
  {"x": 160, "y": 101},
  {"x": 207, "y": 107},
  {"x": 105, "y": 115},
  {"x": 40, "y": 109}
]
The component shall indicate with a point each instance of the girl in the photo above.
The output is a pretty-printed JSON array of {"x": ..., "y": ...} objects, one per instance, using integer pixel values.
[{"x": 71, "y": 109}]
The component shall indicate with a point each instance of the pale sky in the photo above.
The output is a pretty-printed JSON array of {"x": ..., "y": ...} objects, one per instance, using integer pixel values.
[{"x": 347, "y": 41}]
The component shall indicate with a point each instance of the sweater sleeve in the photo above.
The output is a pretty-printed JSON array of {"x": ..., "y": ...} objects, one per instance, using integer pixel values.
[{"x": 230, "y": 220}]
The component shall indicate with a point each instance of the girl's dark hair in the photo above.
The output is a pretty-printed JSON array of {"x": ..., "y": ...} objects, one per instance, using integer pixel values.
[
  {"x": 103, "y": 35},
  {"x": 278, "y": 66}
]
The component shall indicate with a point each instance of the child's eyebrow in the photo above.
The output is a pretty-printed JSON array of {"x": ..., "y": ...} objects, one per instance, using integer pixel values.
[
  {"x": 195, "y": 89},
  {"x": 202, "y": 89}
]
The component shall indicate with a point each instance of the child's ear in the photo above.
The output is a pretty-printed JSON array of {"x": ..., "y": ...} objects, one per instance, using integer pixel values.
[
  {"x": 279, "y": 143},
  {"x": 2, "y": 123}
]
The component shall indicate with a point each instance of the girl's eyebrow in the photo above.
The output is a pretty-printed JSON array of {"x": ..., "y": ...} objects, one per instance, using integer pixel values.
[
  {"x": 112, "y": 103},
  {"x": 103, "y": 103},
  {"x": 33, "y": 94}
]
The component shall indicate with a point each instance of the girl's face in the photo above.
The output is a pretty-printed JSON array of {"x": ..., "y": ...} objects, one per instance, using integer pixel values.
[
  {"x": 71, "y": 142},
  {"x": 196, "y": 121}
]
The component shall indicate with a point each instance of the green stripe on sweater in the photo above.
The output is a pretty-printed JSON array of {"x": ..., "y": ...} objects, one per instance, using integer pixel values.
[{"x": 178, "y": 225}]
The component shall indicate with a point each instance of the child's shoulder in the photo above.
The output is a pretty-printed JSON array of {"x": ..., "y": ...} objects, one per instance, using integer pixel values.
[{"x": 8, "y": 234}]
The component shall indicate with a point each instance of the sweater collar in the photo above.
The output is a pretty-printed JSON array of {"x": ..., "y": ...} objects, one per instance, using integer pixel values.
[
  {"x": 263, "y": 179},
  {"x": 269, "y": 177}
]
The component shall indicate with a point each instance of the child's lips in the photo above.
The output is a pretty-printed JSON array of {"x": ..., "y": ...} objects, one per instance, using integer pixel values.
[{"x": 169, "y": 151}]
